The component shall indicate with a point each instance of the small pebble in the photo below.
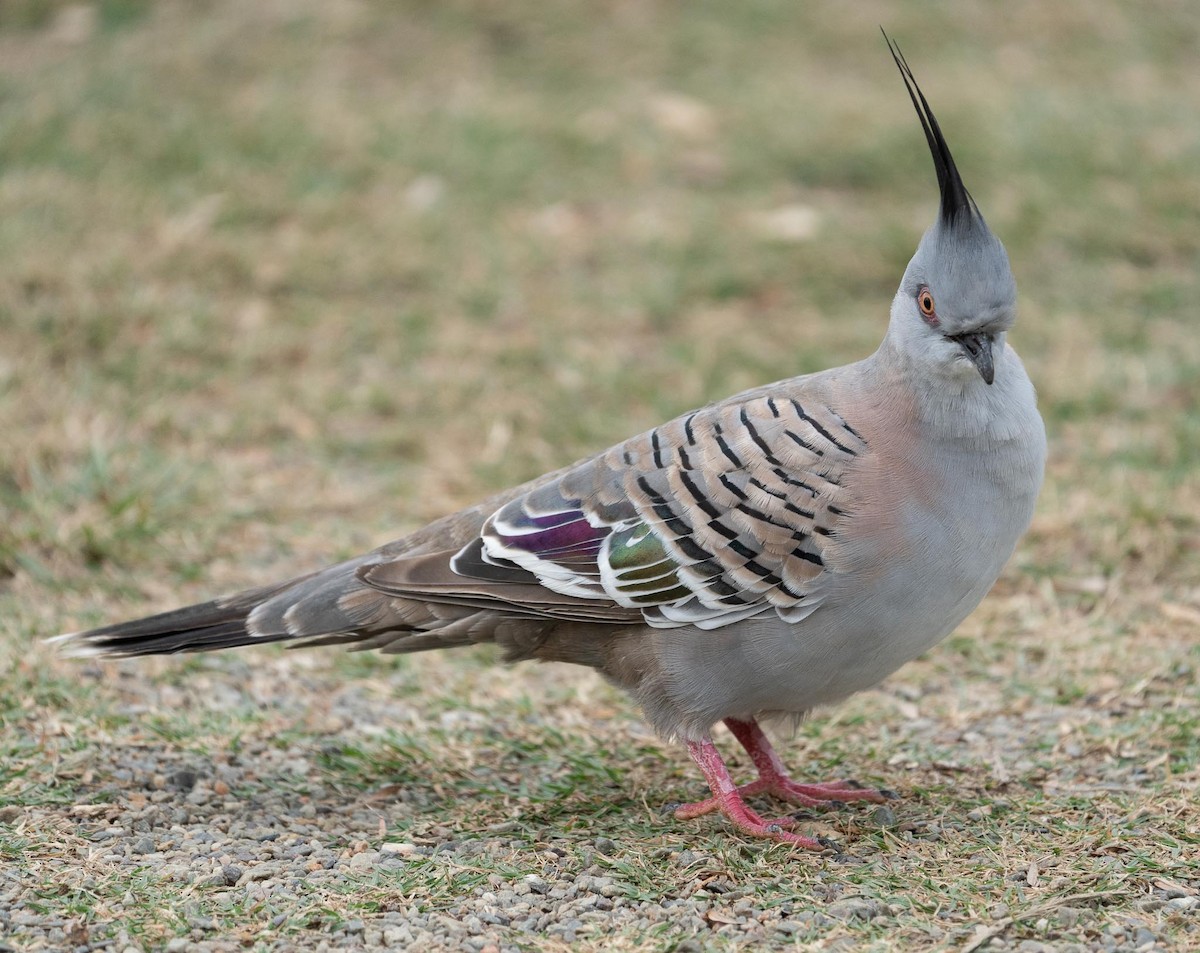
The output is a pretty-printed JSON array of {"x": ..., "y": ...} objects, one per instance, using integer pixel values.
[
  {"x": 367, "y": 860},
  {"x": 851, "y": 909},
  {"x": 183, "y": 780}
]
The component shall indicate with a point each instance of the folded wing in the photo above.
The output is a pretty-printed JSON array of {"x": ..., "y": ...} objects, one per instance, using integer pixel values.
[{"x": 718, "y": 516}]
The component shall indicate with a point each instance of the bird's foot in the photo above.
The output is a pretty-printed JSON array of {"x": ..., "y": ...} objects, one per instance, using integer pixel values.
[
  {"x": 729, "y": 799},
  {"x": 823, "y": 794},
  {"x": 738, "y": 813},
  {"x": 772, "y": 779}
]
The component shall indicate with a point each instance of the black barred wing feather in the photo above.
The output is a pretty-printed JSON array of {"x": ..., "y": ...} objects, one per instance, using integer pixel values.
[{"x": 713, "y": 518}]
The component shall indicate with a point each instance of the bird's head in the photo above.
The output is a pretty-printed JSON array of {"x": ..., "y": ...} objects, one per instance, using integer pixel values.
[{"x": 958, "y": 296}]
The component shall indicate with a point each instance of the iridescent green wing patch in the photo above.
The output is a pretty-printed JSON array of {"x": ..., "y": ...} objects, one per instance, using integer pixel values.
[{"x": 634, "y": 565}]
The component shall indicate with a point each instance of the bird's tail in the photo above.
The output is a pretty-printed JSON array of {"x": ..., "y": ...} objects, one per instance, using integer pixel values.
[
  {"x": 204, "y": 627},
  {"x": 306, "y": 610}
]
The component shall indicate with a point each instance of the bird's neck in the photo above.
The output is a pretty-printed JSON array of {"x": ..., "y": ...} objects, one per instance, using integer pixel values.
[{"x": 949, "y": 403}]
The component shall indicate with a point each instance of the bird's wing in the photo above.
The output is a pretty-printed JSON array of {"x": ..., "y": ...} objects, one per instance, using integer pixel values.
[{"x": 720, "y": 515}]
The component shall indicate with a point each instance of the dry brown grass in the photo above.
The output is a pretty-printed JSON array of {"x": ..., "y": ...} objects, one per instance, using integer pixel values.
[{"x": 281, "y": 281}]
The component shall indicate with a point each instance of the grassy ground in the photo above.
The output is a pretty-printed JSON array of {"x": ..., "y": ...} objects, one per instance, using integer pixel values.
[{"x": 280, "y": 281}]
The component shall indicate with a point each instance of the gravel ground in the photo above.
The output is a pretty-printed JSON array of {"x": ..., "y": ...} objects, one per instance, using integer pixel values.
[
  {"x": 256, "y": 827},
  {"x": 280, "y": 280}
]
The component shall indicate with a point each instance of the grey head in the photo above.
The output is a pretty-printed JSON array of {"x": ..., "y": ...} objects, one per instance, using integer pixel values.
[{"x": 958, "y": 296}]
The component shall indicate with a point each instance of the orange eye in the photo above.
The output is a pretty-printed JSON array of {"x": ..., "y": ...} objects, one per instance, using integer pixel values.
[{"x": 925, "y": 302}]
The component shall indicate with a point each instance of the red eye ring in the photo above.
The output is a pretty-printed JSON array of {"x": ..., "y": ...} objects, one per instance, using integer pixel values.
[{"x": 925, "y": 303}]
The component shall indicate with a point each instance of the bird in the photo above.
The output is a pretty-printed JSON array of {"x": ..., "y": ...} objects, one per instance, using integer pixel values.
[{"x": 750, "y": 560}]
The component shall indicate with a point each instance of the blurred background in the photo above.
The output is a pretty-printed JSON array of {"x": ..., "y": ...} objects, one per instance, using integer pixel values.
[{"x": 282, "y": 280}]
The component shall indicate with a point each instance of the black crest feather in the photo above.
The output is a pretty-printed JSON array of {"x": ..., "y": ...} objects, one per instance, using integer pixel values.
[{"x": 956, "y": 200}]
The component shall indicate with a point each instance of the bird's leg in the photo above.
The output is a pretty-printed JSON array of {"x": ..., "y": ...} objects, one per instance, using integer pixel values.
[
  {"x": 727, "y": 798},
  {"x": 773, "y": 779}
]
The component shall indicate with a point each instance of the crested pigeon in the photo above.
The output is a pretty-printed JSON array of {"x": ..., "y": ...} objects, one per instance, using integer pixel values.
[{"x": 776, "y": 551}]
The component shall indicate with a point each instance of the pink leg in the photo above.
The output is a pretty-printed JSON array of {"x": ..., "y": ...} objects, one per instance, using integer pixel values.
[
  {"x": 772, "y": 779},
  {"x": 727, "y": 798}
]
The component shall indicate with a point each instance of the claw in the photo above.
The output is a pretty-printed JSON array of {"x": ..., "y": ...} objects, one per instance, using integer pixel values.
[
  {"x": 729, "y": 798},
  {"x": 772, "y": 779}
]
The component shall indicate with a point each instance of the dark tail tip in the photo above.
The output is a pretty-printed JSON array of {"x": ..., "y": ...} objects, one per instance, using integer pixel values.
[{"x": 198, "y": 628}]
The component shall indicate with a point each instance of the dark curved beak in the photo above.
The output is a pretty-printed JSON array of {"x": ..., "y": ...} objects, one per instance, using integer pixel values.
[{"x": 979, "y": 350}]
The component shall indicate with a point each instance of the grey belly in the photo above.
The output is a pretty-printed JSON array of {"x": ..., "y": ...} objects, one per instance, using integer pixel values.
[{"x": 856, "y": 638}]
